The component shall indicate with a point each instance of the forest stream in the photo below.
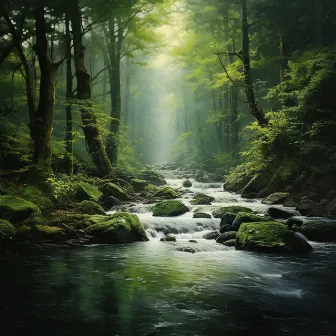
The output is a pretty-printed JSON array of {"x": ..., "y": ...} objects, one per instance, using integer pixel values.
[{"x": 160, "y": 288}]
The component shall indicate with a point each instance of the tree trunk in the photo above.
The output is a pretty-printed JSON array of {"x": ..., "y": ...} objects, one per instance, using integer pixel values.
[
  {"x": 69, "y": 162},
  {"x": 114, "y": 50},
  {"x": 253, "y": 105},
  {"x": 218, "y": 125},
  {"x": 45, "y": 110},
  {"x": 90, "y": 127},
  {"x": 234, "y": 121},
  {"x": 127, "y": 91},
  {"x": 226, "y": 121},
  {"x": 284, "y": 47},
  {"x": 186, "y": 120},
  {"x": 318, "y": 11}
]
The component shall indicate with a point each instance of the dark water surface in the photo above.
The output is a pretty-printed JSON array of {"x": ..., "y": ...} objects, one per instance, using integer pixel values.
[{"x": 152, "y": 289}]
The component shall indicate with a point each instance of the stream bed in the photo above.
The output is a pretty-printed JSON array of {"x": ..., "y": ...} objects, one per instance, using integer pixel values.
[{"x": 153, "y": 288}]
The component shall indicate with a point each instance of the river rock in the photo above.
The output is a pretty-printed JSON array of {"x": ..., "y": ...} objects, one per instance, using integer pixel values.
[
  {"x": 139, "y": 185},
  {"x": 321, "y": 230},
  {"x": 331, "y": 207},
  {"x": 226, "y": 228},
  {"x": 87, "y": 192},
  {"x": 167, "y": 192},
  {"x": 7, "y": 230},
  {"x": 280, "y": 213},
  {"x": 186, "y": 249},
  {"x": 152, "y": 177},
  {"x": 90, "y": 208},
  {"x": 16, "y": 209},
  {"x": 219, "y": 213},
  {"x": 119, "y": 228},
  {"x": 227, "y": 219},
  {"x": 202, "y": 199},
  {"x": 226, "y": 236},
  {"x": 169, "y": 238},
  {"x": 230, "y": 243},
  {"x": 270, "y": 237},
  {"x": 169, "y": 209},
  {"x": 187, "y": 184},
  {"x": 276, "y": 198},
  {"x": 310, "y": 208},
  {"x": 253, "y": 187},
  {"x": 193, "y": 241},
  {"x": 199, "y": 175},
  {"x": 212, "y": 235},
  {"x": 245, "y": 217},
  {"x": 201, "y": 215},
  {"x": 111, "y": 189},
  {"x": 290, "y": 204}
]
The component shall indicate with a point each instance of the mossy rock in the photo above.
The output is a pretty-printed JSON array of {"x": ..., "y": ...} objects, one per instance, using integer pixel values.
[
  {"x": 318, "y": 230},
  {"x": 169, "y": 209},
  {"x": 87, "y": 192},
  {"x": 151, "y": 189},
  {"x": 168, "y": 238},
  {"x": 38, "y": 197},
  {"x": 227, "y": 219},
  {"x": 111, "y": 189},
  {"x": 152, "y": 177},
  {"x": 167, "y": 192},
  {"x": 276, "y": 198},
  {"x": 16, "y": 209},
  {"x": 187, "y": 184},
  {"x": 270, "y": 237},
  {"x": 90, "y": 208},
  {"x": 225, "y": 236},
  {"x": 139, "y": 185},
  {"x": 7, "y": 230},
  {"x": 44, "y": 232},
  {"x": 202, "y": 199},
  {"x": 69, "y": 219},
  {"x": 245, "y": 217},
  {"x": 119, "y": 228},
  {"x": 219, "y": 213}
]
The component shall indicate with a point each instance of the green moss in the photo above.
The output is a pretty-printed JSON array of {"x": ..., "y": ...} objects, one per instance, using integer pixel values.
[
  {"x": 152, "y": 177},
  {"x": 202, "y": 199},
  {"x": 169, "y": 209},
  {"x": 167, "y": 192},
  {"x": 7, "y": 230},
  {"x": 44, "y": 232},
  {"x": 87, "y": 192},
  {"x": 139, "y": 185},
  {"x": 90, "y": 208},
  {"x": 269, "y": 237},
  {"x": 230, "y": 209},
  {"x": 119, "y": 228},
  {"x": 37, "y": 197},
  {"x": 245, "y": 217},
  {"x": 16, "y": 209},
  {"x": 151, "y": 189},
  {"x": 111, "y": 189}
]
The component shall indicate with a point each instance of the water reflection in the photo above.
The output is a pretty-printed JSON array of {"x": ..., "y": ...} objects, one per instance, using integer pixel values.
[{"x": 152, "y": 289}]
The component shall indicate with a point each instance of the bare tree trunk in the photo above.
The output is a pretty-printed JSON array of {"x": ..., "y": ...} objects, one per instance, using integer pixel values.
[
  {"x": 114, "y": 50},
  {"x": 253, "y": 105},
  {"x": 45, "y": 110},
  {"x": 234, "y": 121},
  {"x": 226, "y": 121},
  {"x": 318, "y": 11},
  {"x": 69, "y": 162},
  {"x": 127, "y": 91},
  {"x": 90, "y": 127}
]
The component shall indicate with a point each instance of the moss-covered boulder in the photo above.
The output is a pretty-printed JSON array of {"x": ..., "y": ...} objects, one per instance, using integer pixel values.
[
  {"x": 169, "y": 238},
  {"x": 7, "y": 230},
  {"x": 47, "y": 233},
  {"x": 87, "y": 192},
  {"x": 16, "y": 209},
  {"x": 169, "y": 209},
  {"x": 270, "y": 237},
  {"x": 245, "y": 217},
  {"x": 276, "y": 198},
  {"x": 226, "y": 236},
  {"x": 151, "y": 189},
  {"x": 201, "y": 215},
  {"x": 152, "y": 177},
  {"x": 38, "y": 197},
  {"x": 317, "y": 230},
  {"x": 139, "y": 185},
  {"x": 167, "y": 192},
  {"x": 187, "y": 184},
  {"x": 228, "y": 218},
  {"x": 111, "y": 189},
  {"x": 202, "y": 199},
  {"x": 255, "y": 185},
  {"x": 219, "y": 213},
  {"x": 90, "y": 208},
  {"x": 119, "y": 228}
]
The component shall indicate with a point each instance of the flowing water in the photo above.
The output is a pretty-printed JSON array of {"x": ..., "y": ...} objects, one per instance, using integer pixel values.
[{"x": 154, "y": 289}]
